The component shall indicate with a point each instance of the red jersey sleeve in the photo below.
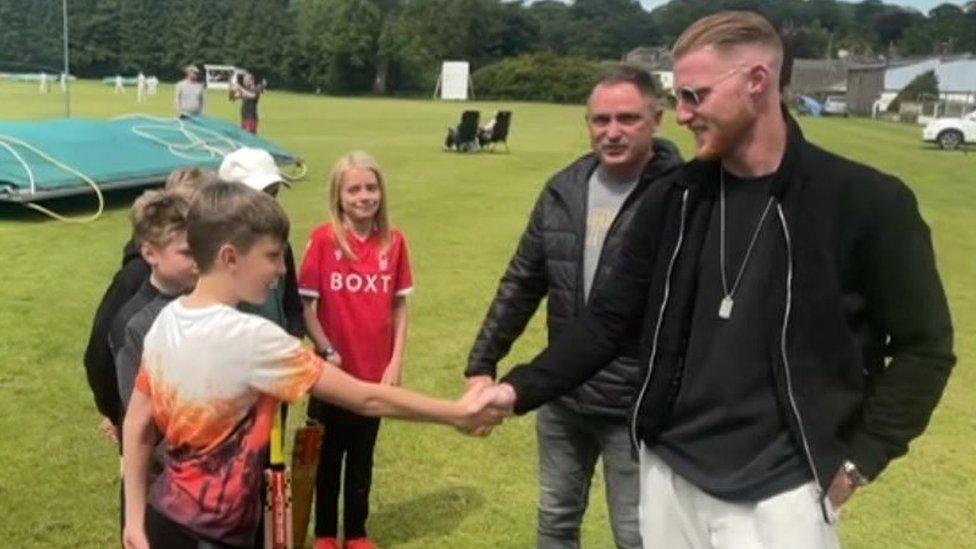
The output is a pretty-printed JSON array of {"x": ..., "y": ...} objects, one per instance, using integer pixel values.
[
  {"x": 404, "y": 275},
  {"x": 309, "y": 279}
]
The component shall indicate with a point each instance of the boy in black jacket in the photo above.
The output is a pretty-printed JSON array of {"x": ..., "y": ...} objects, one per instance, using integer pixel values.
[
  {"x": 99, "y": 363},
  {"x": 159, "y": 226},
  {"x": 99, "y": 360}
]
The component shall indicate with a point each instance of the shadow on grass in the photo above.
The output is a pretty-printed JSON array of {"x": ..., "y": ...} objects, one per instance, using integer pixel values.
[
  {"x": 70, "y": 206},
  {"x": 431, "y": 515},
  {"x": 499, "y": 152},
  {"x": 965, "y": 150},
  {"x": 928, "y": 147}
]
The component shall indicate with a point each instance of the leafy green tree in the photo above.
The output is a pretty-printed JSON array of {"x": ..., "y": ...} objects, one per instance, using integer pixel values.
[
  {"x": 890, "y": 26},
  {"x": 556, "y": 25},
  {"x": 427, "y": 32},
  {"x": 608, "y": 29},
  {"x": 94, "y": 36},
  {"x": 829, "y": 14},
  {"x": 507, "y": 30},
  {"x": 945, "y": 11},
  {"x": 313, "y": 22},
  {"x": 258, "y": 35},
  {"x": 140, "y": 42},
  {"x": 186, "y": 35},
  {"x": 424, "y": 33},
  {"x": 358, "y": 46},
  {"x": 388, "y": 10},
  {"x": 30, "y": 36},
  {"x": 352, "y": 46},
  {"x": 806, "y": 42},
  {"x": 675, "y": 16},
  {"x": 923, "y": 85},
  {"x": 947, "y": 30}
]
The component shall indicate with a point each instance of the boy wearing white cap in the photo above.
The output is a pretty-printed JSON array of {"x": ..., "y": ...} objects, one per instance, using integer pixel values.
[{"x": 256, "y": 169}]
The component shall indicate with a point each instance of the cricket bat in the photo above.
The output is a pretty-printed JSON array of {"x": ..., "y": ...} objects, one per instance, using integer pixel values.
[
  {"x": 304, "y": 468},
  {"x": 277, "y": 507}
]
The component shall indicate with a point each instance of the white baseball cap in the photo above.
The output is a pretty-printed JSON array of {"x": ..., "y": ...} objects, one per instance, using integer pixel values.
[{"x": 255, "y": 168}]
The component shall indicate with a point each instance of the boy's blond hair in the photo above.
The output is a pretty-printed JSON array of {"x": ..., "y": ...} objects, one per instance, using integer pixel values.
[
  {"x": 157, "y": 217},
  {"x": 361, "y": 160},
  {"x": 188, "y": 181},
  {"x": 231, "y": 213},
  {"x": 728, "y": 29}
]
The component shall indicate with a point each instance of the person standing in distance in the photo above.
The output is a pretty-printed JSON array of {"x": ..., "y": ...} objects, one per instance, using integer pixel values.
[
  {"x": 249, "y": 92},
  {"x": 190, "y": 95}
]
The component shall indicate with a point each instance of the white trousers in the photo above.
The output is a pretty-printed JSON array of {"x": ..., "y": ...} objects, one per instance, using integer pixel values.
[{"x": 676, "y": 514}]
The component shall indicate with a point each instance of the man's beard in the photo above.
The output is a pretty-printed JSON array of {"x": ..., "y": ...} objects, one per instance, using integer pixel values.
[{"x": 723, "y": 137}]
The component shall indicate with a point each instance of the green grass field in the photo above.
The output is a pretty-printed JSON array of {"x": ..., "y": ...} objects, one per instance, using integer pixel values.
[{"x": 462, "y": 215}]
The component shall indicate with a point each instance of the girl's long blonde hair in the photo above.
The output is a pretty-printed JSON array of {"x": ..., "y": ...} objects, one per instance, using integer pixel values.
[{"x": 381, "y": 222}]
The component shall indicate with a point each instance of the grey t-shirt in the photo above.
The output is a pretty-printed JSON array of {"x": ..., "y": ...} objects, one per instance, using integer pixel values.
[
  {"x": 129, "y": 356},
  {"x": 605, "y": 197},
  {"x": 190, "y": 97}
]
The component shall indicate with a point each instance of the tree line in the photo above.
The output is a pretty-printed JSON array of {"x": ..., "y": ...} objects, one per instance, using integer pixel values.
[{"x": 385, "y": 46}]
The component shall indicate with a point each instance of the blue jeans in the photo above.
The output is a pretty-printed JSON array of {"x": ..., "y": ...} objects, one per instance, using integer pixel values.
[{"x": 569, "y": 445}]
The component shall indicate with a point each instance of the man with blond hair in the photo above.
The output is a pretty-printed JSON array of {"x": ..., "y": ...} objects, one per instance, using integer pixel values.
[{"x": 795, "y": 335}]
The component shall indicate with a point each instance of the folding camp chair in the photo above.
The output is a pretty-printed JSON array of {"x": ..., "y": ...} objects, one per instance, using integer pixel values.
[
  {"x": 464, "y": 137},
  {"x": 499, "y": 131}
]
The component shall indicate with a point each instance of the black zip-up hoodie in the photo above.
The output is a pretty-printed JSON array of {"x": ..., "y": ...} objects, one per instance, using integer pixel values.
[
  {"x": 99, "y": 363},
  {"x": 549, "y": 262},
  {"x": 98, "y": 360},
  {"x": 863, "y": 348}
]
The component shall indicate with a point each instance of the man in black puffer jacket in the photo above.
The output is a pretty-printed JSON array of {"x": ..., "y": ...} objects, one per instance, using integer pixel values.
[{"x": 573, "y": 236}]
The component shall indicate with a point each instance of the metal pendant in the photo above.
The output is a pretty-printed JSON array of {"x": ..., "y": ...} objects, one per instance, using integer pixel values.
[{"x": 725, "y": 308}]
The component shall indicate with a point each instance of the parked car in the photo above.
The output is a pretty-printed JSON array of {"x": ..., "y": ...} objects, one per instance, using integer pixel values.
[
  {"x": 835, "y": 105},
  {"x": 951, "y": 133}
]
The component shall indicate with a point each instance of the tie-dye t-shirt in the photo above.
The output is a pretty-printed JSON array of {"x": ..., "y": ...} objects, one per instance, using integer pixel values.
[{"x": 215, "y": 376}]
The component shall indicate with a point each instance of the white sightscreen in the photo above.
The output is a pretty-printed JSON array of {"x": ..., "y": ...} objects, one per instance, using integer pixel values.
[
  {"x": 218, "y": 76},
  {"x": 454, "y": 80}
]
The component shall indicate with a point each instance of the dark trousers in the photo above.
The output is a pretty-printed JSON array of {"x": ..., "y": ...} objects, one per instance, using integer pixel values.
[
  {"x": 349, "y": 438},
  {"x": 163, "y": 533},
  {"x": 569, "y": 445}
]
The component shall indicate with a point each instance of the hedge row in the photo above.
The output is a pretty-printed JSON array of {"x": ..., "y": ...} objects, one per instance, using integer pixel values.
[{"x": 538, "y": 77}]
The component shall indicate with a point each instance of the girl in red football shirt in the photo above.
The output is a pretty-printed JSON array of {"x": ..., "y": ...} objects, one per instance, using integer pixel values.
[{"x": 354, "y": 281}]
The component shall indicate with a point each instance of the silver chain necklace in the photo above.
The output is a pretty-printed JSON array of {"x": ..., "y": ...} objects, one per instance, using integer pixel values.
[{"x": 725, "y": 307}]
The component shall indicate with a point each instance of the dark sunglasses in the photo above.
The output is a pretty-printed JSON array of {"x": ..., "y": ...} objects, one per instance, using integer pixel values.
[{"x": 693, "y": 97}]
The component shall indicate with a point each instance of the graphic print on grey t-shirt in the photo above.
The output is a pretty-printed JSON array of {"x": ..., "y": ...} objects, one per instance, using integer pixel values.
[{"x": 605, "y": 196}]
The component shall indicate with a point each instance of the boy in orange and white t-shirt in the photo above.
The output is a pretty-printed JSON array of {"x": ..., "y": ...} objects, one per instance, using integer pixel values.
[{"x": 212, "y": 376}]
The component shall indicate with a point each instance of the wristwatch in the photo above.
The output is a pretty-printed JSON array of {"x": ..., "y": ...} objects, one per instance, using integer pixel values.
[
  {"x": 327, "y": 352},
  {"x": 854, "y": 474}
]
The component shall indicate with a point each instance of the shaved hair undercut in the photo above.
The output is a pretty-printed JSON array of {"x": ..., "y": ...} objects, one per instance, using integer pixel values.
[{"x": 728, "y": 29}]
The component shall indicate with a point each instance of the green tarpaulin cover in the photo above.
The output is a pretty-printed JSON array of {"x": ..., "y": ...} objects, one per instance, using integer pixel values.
[{"x": 124, "y": 152}]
